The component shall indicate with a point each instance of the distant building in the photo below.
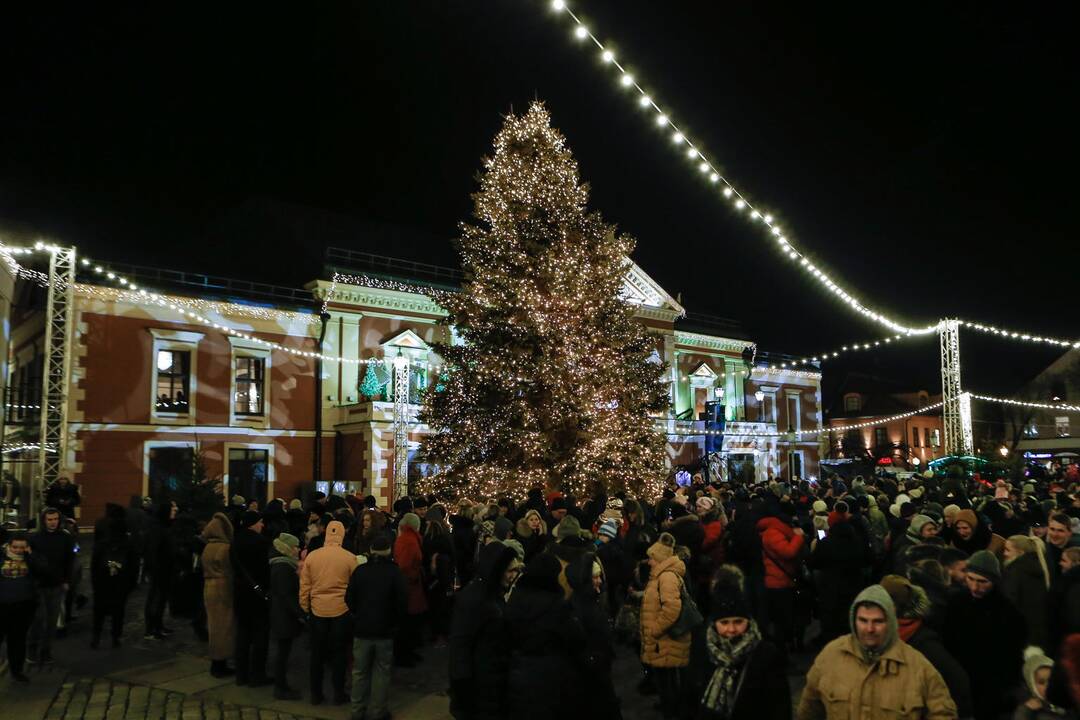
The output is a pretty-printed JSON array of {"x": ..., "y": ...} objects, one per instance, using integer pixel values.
[
  {"x": 869, "y": 402},
  {"x": 1045, "y": 433}
]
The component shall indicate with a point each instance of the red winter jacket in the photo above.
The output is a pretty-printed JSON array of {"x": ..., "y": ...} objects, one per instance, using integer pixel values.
[
  {"x": 711, "y": 546},
  {"x": 780, "y": 547},
  {"x": 410, "y": 558}
]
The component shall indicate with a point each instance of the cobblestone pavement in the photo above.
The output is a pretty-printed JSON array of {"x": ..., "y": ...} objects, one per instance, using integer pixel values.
[{"x": 104, "y": 699}]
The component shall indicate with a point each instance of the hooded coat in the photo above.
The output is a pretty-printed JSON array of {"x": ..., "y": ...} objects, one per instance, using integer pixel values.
[
  {"x": 545, "y": 641},
  {"x": 661, "y": 604},
  {"x": 599, "y": 701},
  {"x": 112, "y": 545},
  {"x": 324, "y": 577},
  {"x": 479, "y": 655},
  {"x": 843, "y": 685},
  {"x": 409, "y": 555},
  {"x": 1024, "y": 585},
  {"x": 986, "y": 636},
  {"x": 218, "y": 586},
  {"x": 981, "y": 537},
  {"x": 533, "y": 542}
]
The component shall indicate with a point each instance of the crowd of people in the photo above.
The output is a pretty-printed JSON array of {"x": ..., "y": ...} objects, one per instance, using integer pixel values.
[{"x": 933, "y": 596}]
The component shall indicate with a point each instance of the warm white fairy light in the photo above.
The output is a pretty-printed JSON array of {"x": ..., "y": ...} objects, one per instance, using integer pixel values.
[
  {"x": 663, "y": 120},
  {"x": 627, "y": 80},
  {"x": 1020, "y": 336},
  {"x": 1027, "y": 403},
  {"x": 644, "y": 101}
]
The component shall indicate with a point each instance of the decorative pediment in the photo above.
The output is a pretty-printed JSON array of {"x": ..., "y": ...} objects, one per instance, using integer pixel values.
[
  {"x": 704, "y": 372},
  {"x": 407, "y": 340},
  {"x": 640, "y": 289}
]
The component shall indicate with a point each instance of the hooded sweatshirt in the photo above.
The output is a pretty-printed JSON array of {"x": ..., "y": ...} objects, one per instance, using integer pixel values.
[
  {"x": 875, "y": 594},
  {"x": 325, "y": 576}
]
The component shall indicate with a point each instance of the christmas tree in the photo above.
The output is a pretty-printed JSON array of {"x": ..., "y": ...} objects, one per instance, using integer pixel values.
[
  {"x": 370, "y": 387},
  {"x": 552, "y": 383}
]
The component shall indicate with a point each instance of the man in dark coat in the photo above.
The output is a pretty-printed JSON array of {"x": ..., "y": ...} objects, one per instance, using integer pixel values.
[
  {"x": 377, "y": 599},
  {"x": 114, "y": 569},
  {"x": 841, "y": 562},
  {"x": 55, "y": 548},
  {"x": 478, "y": 652},
  {"x": 545, "y": 642},
  {"x": 159, "y": 556},
  {"x": 251, "y": 577},
  {"x": 912, "y": 607},
  {"x": 63, "y": 496},
  {"x": 985, "y": 634},
  {"x": 598, "y": 653}
]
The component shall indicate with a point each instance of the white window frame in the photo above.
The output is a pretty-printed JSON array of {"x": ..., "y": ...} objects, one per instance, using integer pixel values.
[
  {"x": 802, "y": 465},
  {"x": 270, "y": 475},
  {"x": 149, "y": 445},
  {"x": 858, "y": 402},
  {"x": 935, "y": 437},
  {"x": 795, "y": 395},
  {"x": 182, "y": 340},
  {"x": 770, "y": 397},
  {"x": 246, "y": 348},
  {"x": 1060, "y": 422}
]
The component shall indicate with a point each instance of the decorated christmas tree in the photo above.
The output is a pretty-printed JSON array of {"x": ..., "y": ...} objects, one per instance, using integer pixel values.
[
  {"x": 552, "y": 383},
  {"x": 371, "y": 387}
]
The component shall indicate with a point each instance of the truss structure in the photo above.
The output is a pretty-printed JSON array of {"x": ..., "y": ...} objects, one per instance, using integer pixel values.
[
  {"x": 957, "y": 403},
  {"x": 401, "y": 427},
  {"x": 56, "y": 373}
]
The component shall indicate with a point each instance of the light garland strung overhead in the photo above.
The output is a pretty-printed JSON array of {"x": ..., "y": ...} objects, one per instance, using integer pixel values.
[
  {"x": 707, "y": 169},
  {"x": 662, "y": 422},
  {"x": 136, "y": 294},
  {"x": 19, "y": 447},
  {"x": 1014, "y": 335},
  {"x": 1027, "y": 403}
]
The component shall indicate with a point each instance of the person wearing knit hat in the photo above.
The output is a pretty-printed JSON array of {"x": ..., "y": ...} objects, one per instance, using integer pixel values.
[
  {"x": 748, "y": 671},
  {"x": 251, "y": 582},
  {"x": 987, "y": 632},
  {"x": 912, "y": 608},
  {"x": 970, "y": 535},
  {"x": 872, "y": 661},
  {"x": 661, "y": 605},
  {"x": 704, "y": 505},
  {"x": 238, "y": 501},
  {"x": 907, "y": 510},
  {"x": 949, "y": 514},
  {"x": 503, "y": 528},
  {"x": 608, "y": 531},
  {"x": 1036, "y": 673},
  {"x": 285, "y": 612},
  {"x": 568, "y": 528}
]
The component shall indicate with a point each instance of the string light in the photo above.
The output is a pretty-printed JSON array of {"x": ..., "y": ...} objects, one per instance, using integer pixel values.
[
  {"x": 1020, "y": 336},
  {"x": 741, "y": 202},
  {"x": 19, "y": 447},
  {"x": 811, "y": 431},
  {"x": 1027, "y": 403}
]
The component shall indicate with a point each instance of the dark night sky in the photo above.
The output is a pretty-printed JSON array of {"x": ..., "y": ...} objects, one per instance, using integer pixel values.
[{"x": 925, "y": 155}]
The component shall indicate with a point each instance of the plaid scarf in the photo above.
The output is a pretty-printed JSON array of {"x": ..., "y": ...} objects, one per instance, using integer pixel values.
[{"x": 730, "y": 658}]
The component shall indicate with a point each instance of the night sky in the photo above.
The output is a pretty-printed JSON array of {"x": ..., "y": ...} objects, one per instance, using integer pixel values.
[{"x": 926, "y": 156}]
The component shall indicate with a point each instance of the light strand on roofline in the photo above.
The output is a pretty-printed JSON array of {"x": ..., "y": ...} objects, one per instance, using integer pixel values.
[
  {"x": 708, "y": 170},
  {"x": 662, "y": 422},
  {"x": 135, "y": 293},
  {"x": 1027, "y": 403},
  {"x": 1015, "y": 335}
]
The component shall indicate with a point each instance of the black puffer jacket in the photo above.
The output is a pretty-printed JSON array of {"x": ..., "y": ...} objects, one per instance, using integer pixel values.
[
  {"x": 840, "y": 562},
  {"x": 251, "y": 566},
  {"x": 57, "y": 551},
  {"x": 479, "y": 655},
  {"x": 377, "y": 598},
  {"x": 546, "y": 642},
  {"x": 285, "y": 613},
  {"x": 1024, "y": 585}
]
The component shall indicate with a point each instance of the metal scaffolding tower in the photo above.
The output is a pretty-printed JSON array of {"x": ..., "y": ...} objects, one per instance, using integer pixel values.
[
  {"x": 401, "y": 427},
  {"x": 56, "y": 373},
  {"x": 957, "y": 403}
]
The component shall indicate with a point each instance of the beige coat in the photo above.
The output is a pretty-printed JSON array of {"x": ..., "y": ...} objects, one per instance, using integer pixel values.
[
  {"x": 660, "y": 607},
  {"x": 218, "y": 586},
  {"x": 324, "y": 578},
  {"x": 903, "y": 684}
]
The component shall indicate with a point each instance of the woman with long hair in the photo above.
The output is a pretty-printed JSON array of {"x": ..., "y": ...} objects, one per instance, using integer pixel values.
[{"x": 1025, "y": 580}]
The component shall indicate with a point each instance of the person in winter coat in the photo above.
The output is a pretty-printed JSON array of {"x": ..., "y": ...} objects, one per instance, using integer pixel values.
[
  {"x": 985, "y": 633},
  {"x": 1063, "y": 601},
  {"x": 871, "y": 672},
  {"x": 545, "y": 642},
  {"x": 324, "y": 580},
  {"x": 912, "y": 607},
  {"x": 609, "y": 551},
  {"x": 55, "y": 548},
  {"x": 63, "y": 496},
  {"x": 251, "y": 576},
  {"x": 114, "y": 569},
  {"x": 159, "y": 558},
  {"x": 748, "y": 678},
  {"x": 1059, "y": 536},
  {"x": 372, "y": 525},
  {"x": 1025, "y": 582},
  {"x": 463, "y": 535},
  {"x": 438, "y": 556},
  {"x": 409, "y": 556},
  {"x": 18, "y": 599},
  {"x": 218, "y": 593},
  {"x": 296, "y": 520},
  {"x": 532, "y": 532},
  {"x": 781, "y": 547},
  {"x": 376, "y": 597},
  {"x": 969, "y": 535},
  {"x": 661, "y": 605},
  {"x": 479, "y": 655},
  {"x": 841, "y": 563},
  {"x": 1037, "y": 670},
  {"x": 286, "y": 617},
  {"x": 569, "y": 547},
  {"x": 587, "y": 579},
  {"x": 921, "y": 529}
]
